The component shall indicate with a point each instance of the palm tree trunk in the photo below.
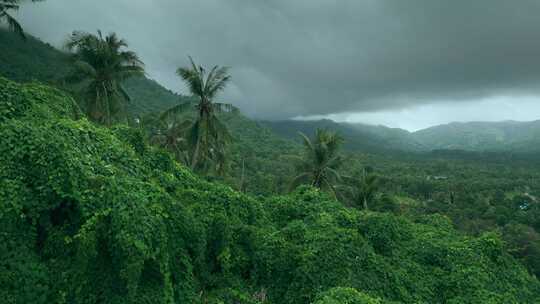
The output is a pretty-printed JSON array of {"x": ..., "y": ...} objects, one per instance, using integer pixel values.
[
  {"x": 242, "y": 179},
  {"x": 107, "y": 106},
  {"x": 195, "y": 156},
  {"x": 365, "y": 203}
]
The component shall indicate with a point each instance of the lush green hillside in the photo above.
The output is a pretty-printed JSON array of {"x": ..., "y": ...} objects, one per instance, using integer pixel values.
[
  {"x": 479, "y": 191},
  {"x": 260, "y": 159},
  {"x": 94, "y": 215},
  {"x": 33, "y": 60}
]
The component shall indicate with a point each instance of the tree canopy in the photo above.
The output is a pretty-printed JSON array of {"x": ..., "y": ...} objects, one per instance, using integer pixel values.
[{"x": 100, "y": 66}]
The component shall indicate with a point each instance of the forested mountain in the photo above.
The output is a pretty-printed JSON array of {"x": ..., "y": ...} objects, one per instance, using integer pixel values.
[
  {"x": 507, "y": 136},
  {"x": 358, "y": 137},
  {"x": 483, "y": 136}
]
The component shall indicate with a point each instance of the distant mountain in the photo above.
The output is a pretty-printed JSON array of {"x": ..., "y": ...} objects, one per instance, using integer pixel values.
[
  {"x": 507, "y": 136},
  {"x": 358, "y": 137},
  {"x": 483, "y": 136}
]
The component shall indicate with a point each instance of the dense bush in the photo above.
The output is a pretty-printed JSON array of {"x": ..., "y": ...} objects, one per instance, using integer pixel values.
[{"x": 341, "y": 295}]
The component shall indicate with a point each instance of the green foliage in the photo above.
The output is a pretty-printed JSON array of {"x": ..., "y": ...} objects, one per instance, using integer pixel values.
[
  {"x": 100, "y": 65},
  {"x": 94, "y": 215},
  {"x": 340, "y": 295},
  {"x": 207, "y": 136},
  {"x": 321, "y": 161}
]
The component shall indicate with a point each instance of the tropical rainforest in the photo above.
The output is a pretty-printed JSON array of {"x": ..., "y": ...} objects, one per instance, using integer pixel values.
[{"x": 114, "y": 189}]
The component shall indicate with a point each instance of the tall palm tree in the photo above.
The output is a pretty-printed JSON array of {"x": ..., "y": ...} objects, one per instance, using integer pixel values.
[
  {"x": 321, "y": 161},
  {"x": 101, "y": 64},
  {"x": 11, "y": 5},
  {"x": 208, "y": 136}
]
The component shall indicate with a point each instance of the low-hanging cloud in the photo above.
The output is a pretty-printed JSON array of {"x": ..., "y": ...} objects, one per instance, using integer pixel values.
[{"x": 318, "y": 57}]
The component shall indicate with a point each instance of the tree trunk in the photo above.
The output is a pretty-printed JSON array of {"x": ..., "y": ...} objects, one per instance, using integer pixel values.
[
  {"x": 242, "y": 179},
  {"x": 195, "y": 156},
  {"x": 365, "y": 203}
]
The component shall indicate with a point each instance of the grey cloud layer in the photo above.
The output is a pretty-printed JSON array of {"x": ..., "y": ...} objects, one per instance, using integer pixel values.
[{"x": 308, "y": 57}]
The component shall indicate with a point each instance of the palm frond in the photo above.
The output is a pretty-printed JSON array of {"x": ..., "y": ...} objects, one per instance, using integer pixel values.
[
  {"x": 124, "y": 93},
  {"x": 13, "y": 25},
  {"x": 307, "y": 142},
  {"x": 224, "y": 108},
  {"x": 331, "y": 187},
  {"x": 299, "y": 179},
  {"x": 218, "y": 81},
  {"x": 83, "y": 68},
  {"x": 220, "y": 130},
  {"x": 209, "y": 78},
  {"x": 130, "y": 58},
  {"x": 192, "y": 79},
  {"x": 179, "y": 109},
  {"x": 334, "y": 174},
  {"x": 103, "y": 65}
]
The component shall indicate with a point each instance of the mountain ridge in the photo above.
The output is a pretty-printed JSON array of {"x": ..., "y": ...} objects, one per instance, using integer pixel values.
[{"x": 476, "y": 136}]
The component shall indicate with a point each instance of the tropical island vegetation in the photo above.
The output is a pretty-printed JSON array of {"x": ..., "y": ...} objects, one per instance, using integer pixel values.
[{"x": 116, "y": 190}]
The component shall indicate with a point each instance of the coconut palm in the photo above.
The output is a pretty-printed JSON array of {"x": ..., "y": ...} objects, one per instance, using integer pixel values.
[
  {"x": 321, "y": 161},
  {"x": 172, "y": 137},
  {"x": 11, "y": 5},
  {"x": 100, "y": 66},
  {"x": 365, "y": 189},
  {"x": 208, "y": 136}
]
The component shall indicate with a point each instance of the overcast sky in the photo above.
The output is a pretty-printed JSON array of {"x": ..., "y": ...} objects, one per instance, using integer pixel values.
[{"x": 402, "y": 63}]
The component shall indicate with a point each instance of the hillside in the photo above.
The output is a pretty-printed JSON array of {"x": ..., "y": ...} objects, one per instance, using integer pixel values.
[
  {"x": 33, "y": 60},
  {"x": 95, "y": 215}
]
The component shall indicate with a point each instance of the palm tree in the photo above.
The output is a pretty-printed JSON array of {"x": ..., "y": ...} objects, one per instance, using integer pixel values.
[
  {"x": 365, "y": 189},
  {"x": 12, "y": 5},
  {"x": 208, "y": 136},
  {"x": 321, "y": 161},
  {"x": 101, "y": 64},
  {"x": 172, "y": 137}
]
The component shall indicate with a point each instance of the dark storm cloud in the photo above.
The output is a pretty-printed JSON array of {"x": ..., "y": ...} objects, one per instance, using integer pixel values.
[{"x": 309, "y": 57}]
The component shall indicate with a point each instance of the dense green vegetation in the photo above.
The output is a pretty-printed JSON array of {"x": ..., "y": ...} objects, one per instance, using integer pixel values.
[
  {"x": 100, "y": 66},
  {"x": 206, "y": 137},
  {"x": 112, "y": 215},
  {"x": 95, "y": 215}
]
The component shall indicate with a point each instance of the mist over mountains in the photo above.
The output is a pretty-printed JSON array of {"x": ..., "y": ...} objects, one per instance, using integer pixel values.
[{"x": 34, "y": 60}]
